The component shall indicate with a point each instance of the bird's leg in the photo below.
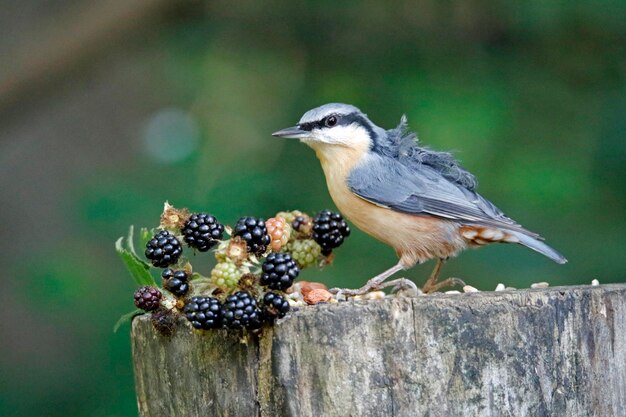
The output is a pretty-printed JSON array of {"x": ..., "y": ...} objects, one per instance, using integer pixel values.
[
  {"x": 372, "y": 284},
  {"x": 432, "y": 285}
]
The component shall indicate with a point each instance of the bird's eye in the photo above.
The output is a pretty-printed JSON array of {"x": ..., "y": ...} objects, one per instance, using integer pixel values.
[{"x": 331, "y": 121}]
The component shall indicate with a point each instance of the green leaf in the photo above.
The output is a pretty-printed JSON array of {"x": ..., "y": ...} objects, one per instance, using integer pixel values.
[
  {"x": 130, "y": 240},
  {"x": 126, "y": 318},
  {"x": 145, "y": 235},
  {"x": 139, "y": 270}
]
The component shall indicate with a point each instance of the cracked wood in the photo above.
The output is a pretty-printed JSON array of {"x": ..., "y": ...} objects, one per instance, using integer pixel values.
[{"x": 549, "y": 352}]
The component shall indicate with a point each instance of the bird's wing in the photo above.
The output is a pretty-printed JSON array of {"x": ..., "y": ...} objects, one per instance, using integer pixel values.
[{"x": 422, "y": 190}]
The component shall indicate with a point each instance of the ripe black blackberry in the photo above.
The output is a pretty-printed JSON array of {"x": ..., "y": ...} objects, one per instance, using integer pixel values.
[
  {"x": 204, "y": 313},
  {"x": 241, "y": 310},
  {"x": 202, "y": 231},
  {"x": 147, "y": 298},
  {"x": 279, "y": 271},
  {"x": 254, "y": 233},
  {"x": 275, "y": 305},
  {"x": 329, "y": 230},
  {"x": 163, "y": 249},
  {"x": 175, "y": 281}
]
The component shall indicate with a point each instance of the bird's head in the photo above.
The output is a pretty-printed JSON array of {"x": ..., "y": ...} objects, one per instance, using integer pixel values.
[{"x": 334, "y": 125}]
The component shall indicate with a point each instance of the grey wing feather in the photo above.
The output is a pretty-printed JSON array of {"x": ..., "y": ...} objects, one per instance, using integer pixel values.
[
  {"x": 423, "y": 190},
  {"x": 403, "y": 146}
]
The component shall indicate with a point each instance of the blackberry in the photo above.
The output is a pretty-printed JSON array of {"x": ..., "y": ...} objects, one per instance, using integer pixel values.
[
  {"x": 289, "y": 216},
  {"x": 147, "y": 298},
  {"x": 275, "y": 305},
  {"x": 175, "y": 281},
  {"x": 241, "y": 310},
  {"x": 329, "y": 230},
  {"x": 302, "y": 224},
  {"x": 225, "y": 275},
  {"x": 279, "y": 271},
  {"x": 163, "y": 249},
  {"x": 254, "y": 233},
  {"x": 202, "y": 231},
  {"x": 305, "y": 252},
  {"x": 279, "y": 231},
  {"x": 204, "y": 313}
]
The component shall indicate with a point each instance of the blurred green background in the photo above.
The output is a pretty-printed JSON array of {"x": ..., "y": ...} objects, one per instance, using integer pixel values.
[{"x": 109, "y": 108}]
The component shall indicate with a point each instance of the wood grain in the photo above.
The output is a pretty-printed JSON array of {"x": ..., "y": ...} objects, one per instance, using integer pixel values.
[{"x": 550, "y": 352}]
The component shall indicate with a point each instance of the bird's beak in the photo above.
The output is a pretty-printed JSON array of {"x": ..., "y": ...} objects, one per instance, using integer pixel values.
[{"x": 292, "y": 133}]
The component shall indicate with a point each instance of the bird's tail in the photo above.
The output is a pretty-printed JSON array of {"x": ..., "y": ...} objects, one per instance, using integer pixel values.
[{"x": 538, "y": 246}]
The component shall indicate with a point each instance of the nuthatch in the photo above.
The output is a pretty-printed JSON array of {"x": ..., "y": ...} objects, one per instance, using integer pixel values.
[{"x": 420, "y": 202}]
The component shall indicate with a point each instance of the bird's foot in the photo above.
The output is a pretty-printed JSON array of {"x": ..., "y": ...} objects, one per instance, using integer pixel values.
[
  {"x": 433, "y": 285},
  {"x": 371, "y": 285},
  {"x": 347, "y": 292},
  {"x": 403, "y": 287}
]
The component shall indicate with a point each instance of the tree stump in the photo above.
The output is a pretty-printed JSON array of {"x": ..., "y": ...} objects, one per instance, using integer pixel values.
[{"x": 550, "y": 352}]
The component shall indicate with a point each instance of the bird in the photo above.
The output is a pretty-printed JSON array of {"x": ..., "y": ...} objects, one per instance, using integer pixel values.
[{"x": 419, "y": 201}]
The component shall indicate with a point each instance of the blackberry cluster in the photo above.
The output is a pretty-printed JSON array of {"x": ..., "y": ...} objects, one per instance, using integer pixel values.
[
  {"x": 147, "y": 298},
  {"x": 275, "y": 305},
  {"x": 279, "y": 271},
  {"x": 254, "y": 233},
  {"x": 176, "y": 282},
  {"x": 246, "y": 297},
  {"x": 329, "y": 230},
  {"x": 202, "y": 231},
  {"x": 163, "y": 249},
  {"x": 204, "y": 313},
  {"x": 240, "y": 310}
]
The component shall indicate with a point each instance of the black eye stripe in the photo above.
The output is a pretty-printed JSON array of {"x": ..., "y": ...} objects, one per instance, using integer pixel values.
[
  {"x": 322, "y": 123},
  {"x": 342, "y": 120},
  {"x": 311, "y": 125}
]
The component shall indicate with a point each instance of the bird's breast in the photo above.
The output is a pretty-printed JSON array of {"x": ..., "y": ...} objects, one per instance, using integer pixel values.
[{"x": 415, "y": 238}]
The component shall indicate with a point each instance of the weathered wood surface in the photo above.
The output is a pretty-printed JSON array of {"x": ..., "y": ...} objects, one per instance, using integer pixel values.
[{"x": 553, "y": 352}]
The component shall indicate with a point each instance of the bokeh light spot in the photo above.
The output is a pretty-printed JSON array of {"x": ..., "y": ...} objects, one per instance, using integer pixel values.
[{"x": 170, "y": 136}]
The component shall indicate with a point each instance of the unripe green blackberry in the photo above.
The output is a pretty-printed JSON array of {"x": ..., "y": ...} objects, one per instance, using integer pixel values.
[
  {"x": 279, "y": 271},
  {"x": 254, "y": 233},
  {"x": 305, "y": 252},
  {"x": 147, "y": 298},
  {"x": 163, "y": 249},
  {"x": 202, "y": 231},
  {"x": 329, "y": 230},
  {"x": 225, "y": 275},
  {"x": 240, "y": 310},
  {"x": 275, "y": 305},
  {"x": 175, "y": 281},
  {"x": 204, "y": 313}
]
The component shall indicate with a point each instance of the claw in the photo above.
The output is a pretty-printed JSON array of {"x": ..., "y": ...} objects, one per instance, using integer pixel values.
[
  {"x": 400, "y": 285},
  {"x": 403, "y": 286},
  {"x": 351, "y": 292},
  {"x": 371, "y": 285},
  {"x": 430, "y": 287}
]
